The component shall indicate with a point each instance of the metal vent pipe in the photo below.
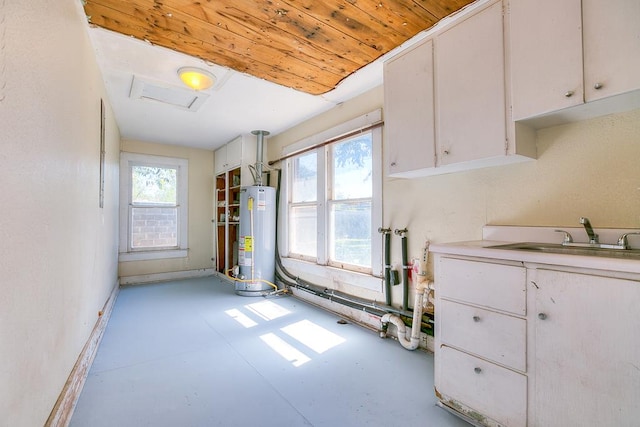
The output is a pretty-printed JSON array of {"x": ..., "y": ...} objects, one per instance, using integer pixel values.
[{"x": 260, "y": 134}]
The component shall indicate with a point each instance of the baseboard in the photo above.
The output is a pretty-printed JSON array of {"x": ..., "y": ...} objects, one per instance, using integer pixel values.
[
  {"x": 163, "y": 277},
  {"x": 63, "y": 410}
]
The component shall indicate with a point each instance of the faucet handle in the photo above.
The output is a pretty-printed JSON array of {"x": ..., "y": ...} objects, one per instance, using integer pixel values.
[
  {"x": 623, "y": 241},
  {"x": 567, "y": 236}
]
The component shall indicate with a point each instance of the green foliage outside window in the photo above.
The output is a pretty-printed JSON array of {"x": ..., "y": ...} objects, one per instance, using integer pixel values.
[{"x": 154, "y": 184}]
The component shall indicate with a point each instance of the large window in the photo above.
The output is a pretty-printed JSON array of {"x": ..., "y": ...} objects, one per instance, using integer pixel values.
[
  {"x": 153, "y": 211},
  {"x": 334, "y": 202}
]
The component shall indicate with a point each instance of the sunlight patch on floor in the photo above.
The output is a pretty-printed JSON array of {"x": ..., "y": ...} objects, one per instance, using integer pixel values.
[
  {"x": 284, "y": 349},
  {"x": 241, "y": 318},
  {"x": 313, "y": 336},
  {"x": 268, "y": 310}
]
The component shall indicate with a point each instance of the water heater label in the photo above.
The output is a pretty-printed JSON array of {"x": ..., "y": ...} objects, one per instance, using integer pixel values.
[
  {"x": 262, "y": 201},
  {"x": 248, "y": 244}
]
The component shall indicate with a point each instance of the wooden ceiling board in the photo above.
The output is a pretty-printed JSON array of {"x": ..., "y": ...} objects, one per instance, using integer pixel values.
[{"x": 308, "y": 45}]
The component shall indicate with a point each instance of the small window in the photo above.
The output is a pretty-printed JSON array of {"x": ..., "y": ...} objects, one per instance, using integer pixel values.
[{"x": 154, "y": 207}]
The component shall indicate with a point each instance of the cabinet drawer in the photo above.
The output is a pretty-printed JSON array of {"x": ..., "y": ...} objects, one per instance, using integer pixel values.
[
  {"x": 486, "y": 388},
  {"x": 495, "y": 336},
  {"x": 498, "y": 286}
]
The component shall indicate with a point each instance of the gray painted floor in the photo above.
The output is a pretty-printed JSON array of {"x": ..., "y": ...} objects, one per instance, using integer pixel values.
[{"x": 192, "y": 353}]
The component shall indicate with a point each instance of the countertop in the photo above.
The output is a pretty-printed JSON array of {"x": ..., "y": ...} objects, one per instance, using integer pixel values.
[{"x": 481, "y": 249}]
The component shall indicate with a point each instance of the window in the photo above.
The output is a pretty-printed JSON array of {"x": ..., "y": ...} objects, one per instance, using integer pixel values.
[
  {"x": 334, "y": 200},
  {"x": 350, "y": 201},
  {"x": 303, "y": 212},
  {"x": 153, "y": 207}
]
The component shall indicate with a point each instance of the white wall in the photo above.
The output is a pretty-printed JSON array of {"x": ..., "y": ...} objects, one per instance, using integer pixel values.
[
  {"x": 587, "y": 168},
  {"x": 200, "y": 214},
  {"x": 58, "y": 249}
]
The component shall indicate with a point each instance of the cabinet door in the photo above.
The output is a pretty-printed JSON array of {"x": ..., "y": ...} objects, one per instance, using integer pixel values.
[
  {"x": 220, "y": 160},
  {"x": 470, "y": 89},
  {"x": 234, "y": 153},
  {"x": 587, "y": 351},
  {"x": 611, "y": 47},
  {"x": 408, "y": 110},
  {"x": 546, "y": 56}
]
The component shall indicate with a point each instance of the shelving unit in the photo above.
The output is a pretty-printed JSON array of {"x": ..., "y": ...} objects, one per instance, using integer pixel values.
[
  {"x": 231, "y": 171},
  {"x": 227, "y": 220}
]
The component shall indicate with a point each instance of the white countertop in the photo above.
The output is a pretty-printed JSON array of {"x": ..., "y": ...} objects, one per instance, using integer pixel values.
[{"x": 480, "y": 249}]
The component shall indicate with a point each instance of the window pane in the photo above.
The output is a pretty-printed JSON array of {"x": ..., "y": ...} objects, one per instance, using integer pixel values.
[
  {"x": 154, "y": 227},
  {"x": 153, "y": 185},
  {"x": 350, "y": 238},
  {"x": 302, "y": 230},
  {"x": 352, "y": 173},
  {"x": 304, "y": 178}
]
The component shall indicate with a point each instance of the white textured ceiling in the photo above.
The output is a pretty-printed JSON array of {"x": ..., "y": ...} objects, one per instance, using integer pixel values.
[{"x": 237, "y": 104}]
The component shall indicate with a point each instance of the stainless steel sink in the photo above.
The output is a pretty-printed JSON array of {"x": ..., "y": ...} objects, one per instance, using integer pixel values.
[{"x": 571, "y": 250}]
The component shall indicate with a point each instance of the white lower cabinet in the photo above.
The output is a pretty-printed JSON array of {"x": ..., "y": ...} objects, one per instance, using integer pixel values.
[
  {"x": 587, "y": 350},
  {"x": 570, "y": 358},
  {"x": 493, "y": 336},
  {"x": 481, "y": 336},
  {"x": 476, "y": 387}
]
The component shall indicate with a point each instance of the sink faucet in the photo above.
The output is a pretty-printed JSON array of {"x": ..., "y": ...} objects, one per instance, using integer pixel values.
[{"x": 593, "y": 237}]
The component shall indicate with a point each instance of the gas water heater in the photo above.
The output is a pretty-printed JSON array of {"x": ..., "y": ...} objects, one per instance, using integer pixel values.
[{"x": 257, "y": 243}]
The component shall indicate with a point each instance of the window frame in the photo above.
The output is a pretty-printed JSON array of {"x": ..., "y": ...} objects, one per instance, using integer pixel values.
[
  {"x": 323, "y": 195},
  {"x": 127, "y": 162}
]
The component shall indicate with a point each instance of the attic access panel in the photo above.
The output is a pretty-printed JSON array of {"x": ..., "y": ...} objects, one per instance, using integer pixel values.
[
  {"x": 185, "y": 99},
  {"x": 307, "y": 45}
]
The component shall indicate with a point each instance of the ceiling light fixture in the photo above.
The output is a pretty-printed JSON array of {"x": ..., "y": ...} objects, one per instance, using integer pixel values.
[{"x": 196, "y": 78}]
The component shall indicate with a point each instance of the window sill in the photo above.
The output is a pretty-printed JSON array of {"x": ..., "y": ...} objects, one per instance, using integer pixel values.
[
  {"x": 333, "y": 274},
  {"x": 149, "y": 255}
]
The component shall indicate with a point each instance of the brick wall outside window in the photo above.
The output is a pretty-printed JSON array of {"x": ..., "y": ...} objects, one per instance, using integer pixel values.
[{"x": 154, "y": 227}]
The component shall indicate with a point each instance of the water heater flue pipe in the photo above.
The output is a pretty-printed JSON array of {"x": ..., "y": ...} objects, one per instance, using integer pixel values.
[
  {"x": 413, "y": 341},
  {"x": 260, "y": 134}
]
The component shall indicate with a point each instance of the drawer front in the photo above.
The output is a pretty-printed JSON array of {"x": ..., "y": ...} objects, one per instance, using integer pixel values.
[
  {"x": 490, "y": 390},
  {"x": 502, "y": 287},
  {"x": 497, "y": 337}
]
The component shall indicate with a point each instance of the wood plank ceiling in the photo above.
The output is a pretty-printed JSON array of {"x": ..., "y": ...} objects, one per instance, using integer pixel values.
[{"x": 308, "y": 45}]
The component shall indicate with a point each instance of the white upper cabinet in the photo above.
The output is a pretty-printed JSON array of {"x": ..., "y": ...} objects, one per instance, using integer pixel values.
[
  {"x": 220, "y": 160},
  {"x": 234, "y": 153},
  {"x": 228, "y": 156},
  {"x": 546, "y": 56},
  {"x": 566, "y": 53},
  {"x": 470, "y": 87},
  {"x": 408, "y": 113},
  {"x": 239, "y": 151},
  {"x": 446, "y": 100},
  {"x": 611, "y": 47}
]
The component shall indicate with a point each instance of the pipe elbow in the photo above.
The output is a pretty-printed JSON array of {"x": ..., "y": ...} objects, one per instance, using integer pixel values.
[{"x": 401, "y": 331}]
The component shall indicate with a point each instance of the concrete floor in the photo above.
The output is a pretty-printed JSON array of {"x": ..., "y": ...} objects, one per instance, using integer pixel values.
[{"x": 192, "y": 353}]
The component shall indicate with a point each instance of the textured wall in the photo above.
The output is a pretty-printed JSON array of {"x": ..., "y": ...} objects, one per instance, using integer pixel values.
[{"x": 58, "y": 248}]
